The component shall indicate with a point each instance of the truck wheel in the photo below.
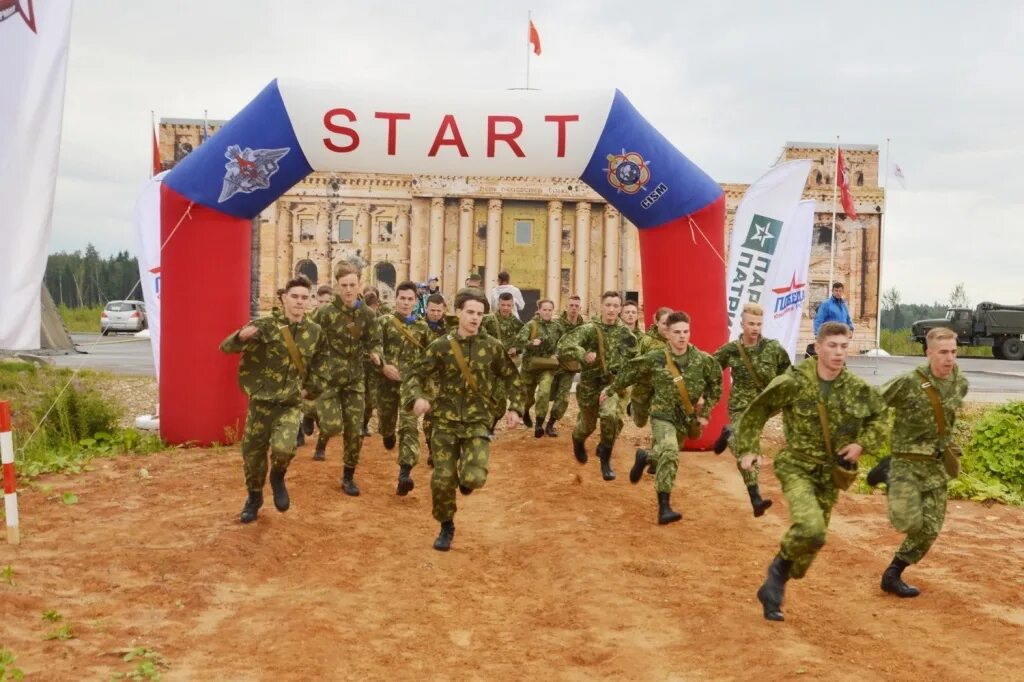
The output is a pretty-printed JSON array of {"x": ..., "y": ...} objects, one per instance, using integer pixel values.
[
  {"x": 997, "y": 352},
  {"x": 1013, "y": 349}
]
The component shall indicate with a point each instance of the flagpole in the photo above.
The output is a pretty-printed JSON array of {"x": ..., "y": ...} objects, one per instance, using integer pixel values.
[
  {"x": 832, "y": 245},
  {"x": 529, "y": 19},
  {"x": 881, "y": 244}
]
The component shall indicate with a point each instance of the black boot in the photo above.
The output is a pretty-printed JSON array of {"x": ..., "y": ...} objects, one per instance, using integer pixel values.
[
  {"x": 444, "y": 539},
  {"x": 465, "y": 490},
  {"x": 389, "y": 442},
  {"x": 880, "y": 472},
  {"x": 760, "y": 506},
  {"x": 666, "y": 514},
  {"x": 637, "y": 472},
  {"x": 405, "y": 482},
  {"x": 307, "y": 425},
  {"x": 723, "y": 439},
  {"x": 773, "y": 590},
  {"x": 652, "y": 468},
  {"x": 527, "y": 421},
  {"x": 252, "y": 506},
  {"x": 579, "y": 449},
  {"x": 300, "y": 438},
  {"x": 892, "y": 580},
  {"x": 538, "y": 428},
  {"x": 604, "y": 453},
  {"x": 550, "y": 429},
  {"x": 348, "y": 486},
  {"x": 321, "y": 448},
  {"x": 281, "y": 501}
]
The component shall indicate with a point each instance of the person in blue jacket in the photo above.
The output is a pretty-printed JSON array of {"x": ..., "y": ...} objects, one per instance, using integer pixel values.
[{"x": 833, "y": 309}]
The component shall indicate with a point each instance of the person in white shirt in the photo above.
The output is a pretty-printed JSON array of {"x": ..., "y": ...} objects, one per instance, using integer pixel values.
[{"x": 503, "y": 285}]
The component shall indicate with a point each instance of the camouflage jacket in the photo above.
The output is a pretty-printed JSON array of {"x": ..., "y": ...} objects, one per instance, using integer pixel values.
[
  {"x": 455, "y": 404},
  {"x": 652, "y": 340},
  {"x": 351, "y": 335},
  {"x": 700, "y": 372},
  {"x": 619, "y": 348},
  {"x": 915, "y": 430},
  {"x": 548, "y": 332},
  {"x": 568, "y": 326},
  {"x": 267, "y": 372},
  {"x": 768, "y": 359},
  {"x": 856, "y": 414},
  {"x": 504, "y": 328},
  {"x": 398, "y": 348}
]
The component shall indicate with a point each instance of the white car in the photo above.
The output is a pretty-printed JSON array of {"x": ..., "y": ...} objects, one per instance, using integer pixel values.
[{"x": 123, "y": 316}]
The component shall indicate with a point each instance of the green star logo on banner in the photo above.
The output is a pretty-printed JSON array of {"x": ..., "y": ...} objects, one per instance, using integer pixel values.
[{"x": 763, "y": 234}]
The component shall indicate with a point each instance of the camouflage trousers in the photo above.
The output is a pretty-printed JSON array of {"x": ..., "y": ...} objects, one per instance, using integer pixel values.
[
  {"x": 810, "y": 495},
  {"x": 561, "y": 386},
  {"x": 461, "y": 454},
  {"x": 750, "y": 478},
  {"x": 668, "y": 441},
  {"x": 341, "y": 411},
  {"x": 917, "y": 505},
  {"x": 371, "y": 380},
  {"x": 390, "y": 414},
  {"x": 273, "y": 426},
  {"x": 640, "y": 399},
  {"x": 537, "y": 386},
  {"x": 609, "y": 413},
  {"x": 500, "y": 401}
]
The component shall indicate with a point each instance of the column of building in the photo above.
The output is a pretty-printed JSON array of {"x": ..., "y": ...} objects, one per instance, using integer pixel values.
[
  {"x": 404, "y": 240},
  {"x": 582, "y": 244},
  {"x": 492, "y": 263},
  {"x": 553, "y": 268},
  {"x": 610, "y": 272},
  {"x": 436, "y": 241},
  {"x": 465, "y": 253}
]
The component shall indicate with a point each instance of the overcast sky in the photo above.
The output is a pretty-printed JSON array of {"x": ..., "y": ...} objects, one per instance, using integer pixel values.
[{"x": 728, "y": 83}]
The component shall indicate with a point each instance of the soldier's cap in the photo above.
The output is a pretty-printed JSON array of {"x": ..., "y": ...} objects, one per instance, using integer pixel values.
[
  {"x": 421, "y": 285},
  {"x": 434, "y": 278}
]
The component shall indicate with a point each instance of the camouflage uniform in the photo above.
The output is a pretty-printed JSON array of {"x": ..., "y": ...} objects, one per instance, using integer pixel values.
[
  {"x": 269, "y": 377},
  {"x": 371, "y": 384},
  {"x": 856, "y": 414},
  {"x": 437, "y": 330},
  {"x": 917, "y": 478},
  {"x": 669, "y": 421},
  {"x": 402, "y": 352},
  {"x": 462, "y": 416},
  {"x": 642, "y": 393},
  {"x": 504, "y": 328},
  {"x": 350, "y": 335},
  {"x": 769, "y": 359},
  {"x": 619, "y": 347},
  {"x": 561, "y": 382},
  {"x": 537, "y": 384}
]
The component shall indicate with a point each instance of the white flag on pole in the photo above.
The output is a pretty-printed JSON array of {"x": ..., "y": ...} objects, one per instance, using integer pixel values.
[
  {"x": 147, "y": 249},
  {"x": 760, "y": 230},
  {"x": 34, "y": 53},
  {"x": 787, "y": 284},
  {"x": 897, "y": 174}
]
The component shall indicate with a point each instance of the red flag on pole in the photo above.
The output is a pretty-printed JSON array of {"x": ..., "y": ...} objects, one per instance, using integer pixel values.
[
  {"x": 843, "y": 179},
  {"x": 534, "y": 38}
]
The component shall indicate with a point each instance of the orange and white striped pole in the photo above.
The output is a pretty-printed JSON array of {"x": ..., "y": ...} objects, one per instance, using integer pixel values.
[{"x": 7, "y": 457}]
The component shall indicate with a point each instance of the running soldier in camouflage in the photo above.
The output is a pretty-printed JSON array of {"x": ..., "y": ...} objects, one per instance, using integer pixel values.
[
  {"x": 684, "y": 392},
  {"x": 918, "y": 475},
  {"x": 813, "y": 394},
  {"x": 504, "y": 326},
  {"x": 654, "y": 339},
  {"x": 754, "y": 361},
  {"x": 437, "y": 323},
  {"x": 324, "y": 294},
  {"x": 371, "y": 372},
  {"x": 351, "y": 336},
  {"x": 603, "y": 347},
  {"x": 282, "y": 363},
  {"x": 467, "y": 368},
  {"x": 538, "y": 341},
  {"x": 403, "y": 340},
  {"x": 561, "y": 384}
]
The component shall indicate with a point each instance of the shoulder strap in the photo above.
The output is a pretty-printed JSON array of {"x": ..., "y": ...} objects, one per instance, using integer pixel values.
[
  {"x": 533, "y": 329},
  {"x": 600, "y": 347},
  {"x": 677, "y": 379},
  {"x": 758, "y": 381},
  {"x": 293, "y": 351},
  {"x": 936, "y": 401},
  {"x": 826, "y": 431},
  {"x": 405, "y": 332},
  {"x": 460, "y": 360}
]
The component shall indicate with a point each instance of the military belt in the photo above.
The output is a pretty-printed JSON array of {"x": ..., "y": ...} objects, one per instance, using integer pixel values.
[{"x": 918, "y": 456}]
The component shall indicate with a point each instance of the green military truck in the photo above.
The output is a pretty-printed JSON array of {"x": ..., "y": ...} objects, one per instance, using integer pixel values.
[{"x": 990, "y": 324}]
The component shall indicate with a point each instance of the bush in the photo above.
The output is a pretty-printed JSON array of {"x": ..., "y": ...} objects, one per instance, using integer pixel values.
[
  {"x": 899, "y": 342},
  {"x": 81, "y": 319},
  {"x": 993, "y": 462}
]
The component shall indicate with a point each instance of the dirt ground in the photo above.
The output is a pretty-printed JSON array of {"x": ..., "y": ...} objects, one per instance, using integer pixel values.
[{"x": 554, "y": 574}]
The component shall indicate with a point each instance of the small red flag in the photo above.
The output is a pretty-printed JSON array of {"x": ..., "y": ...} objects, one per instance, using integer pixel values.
[
  {"x": 156, "y": 154},
  {"x": 843, "y": 179},
  {"x": 534, "y": 38}
]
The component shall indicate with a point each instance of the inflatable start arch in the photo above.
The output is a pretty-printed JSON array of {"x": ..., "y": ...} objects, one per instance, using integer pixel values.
[{"x": 292, "y": 129}]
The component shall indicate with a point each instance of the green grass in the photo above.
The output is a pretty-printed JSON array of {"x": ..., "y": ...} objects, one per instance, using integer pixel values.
[
  {"x": 898, "y": 342},
  {"x": 81, "y": 319}
]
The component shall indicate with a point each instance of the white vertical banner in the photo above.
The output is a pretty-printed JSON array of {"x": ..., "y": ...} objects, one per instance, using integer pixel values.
[
  {"x": 787, "y": 284},
  {"x": 34, "y": 53},
  {"x": 147, "y": 250},
  {"x": 760, "y": 227}
]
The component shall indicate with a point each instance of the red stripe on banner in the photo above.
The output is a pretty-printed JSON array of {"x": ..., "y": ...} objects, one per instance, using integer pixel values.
[
  {"x": 9, "y": 486},
  {"x": 5, "y": 416}
]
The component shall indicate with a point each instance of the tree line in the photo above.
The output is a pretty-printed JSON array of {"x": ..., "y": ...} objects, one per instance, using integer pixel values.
[
  {"x": 85, "y": 280},
  {"x": 898, "y": 315}
]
